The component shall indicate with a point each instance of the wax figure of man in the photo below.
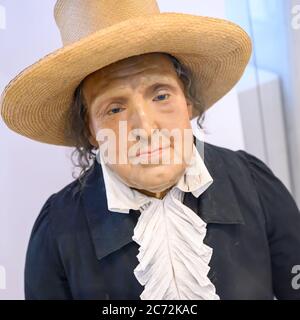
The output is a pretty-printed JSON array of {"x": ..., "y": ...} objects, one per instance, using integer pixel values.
[{"x": 214, "y": 224}]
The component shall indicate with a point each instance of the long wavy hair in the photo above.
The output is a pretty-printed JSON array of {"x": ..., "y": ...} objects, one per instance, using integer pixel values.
[{"x": 77, "y": 129}]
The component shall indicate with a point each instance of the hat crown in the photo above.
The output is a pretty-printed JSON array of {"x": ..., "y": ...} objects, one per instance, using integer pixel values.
[{"x": 77, "y": 19}]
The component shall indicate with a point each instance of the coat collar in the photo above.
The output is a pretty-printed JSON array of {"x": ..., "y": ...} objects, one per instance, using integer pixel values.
[{"x": 112, "y": 230}]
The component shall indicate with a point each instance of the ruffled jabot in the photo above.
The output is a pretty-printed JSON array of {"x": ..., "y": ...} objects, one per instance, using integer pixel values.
[{"x": 173, "y": 259}]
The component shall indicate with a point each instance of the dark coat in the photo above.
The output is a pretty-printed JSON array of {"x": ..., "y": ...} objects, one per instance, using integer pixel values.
[{"x": 80, "y": 250}]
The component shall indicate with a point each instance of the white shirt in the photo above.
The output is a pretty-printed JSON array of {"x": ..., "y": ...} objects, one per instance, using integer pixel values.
[{"x": 173, "y": 260}]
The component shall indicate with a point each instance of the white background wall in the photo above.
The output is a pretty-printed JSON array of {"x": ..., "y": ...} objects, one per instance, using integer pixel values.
[
  {"x": 292, "y": 92},
  {"x": 275, "y": 30},
  {"x": 30, "y": 171}
]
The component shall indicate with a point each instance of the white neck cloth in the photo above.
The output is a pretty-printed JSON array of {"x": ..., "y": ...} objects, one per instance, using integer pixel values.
[{"x": 173, "y": 260}]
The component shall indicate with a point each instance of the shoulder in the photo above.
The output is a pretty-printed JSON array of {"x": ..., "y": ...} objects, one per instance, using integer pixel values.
[
  {"x": 54, "y": 208},
  {"x": 66, "y": 195},
  {"x": 218, "y": 153},
  {"x": 62, "y": 208},
  {"x": 70, "y": 194},
  {"x": 276, "y": 200},
  {"x": 238, "y": 159},
  {"x": 246, "y": 168},
  {"x": 235, "y": 161}
]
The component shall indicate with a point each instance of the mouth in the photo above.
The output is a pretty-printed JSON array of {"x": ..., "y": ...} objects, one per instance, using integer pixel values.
[{"x": 149, "y": 153}]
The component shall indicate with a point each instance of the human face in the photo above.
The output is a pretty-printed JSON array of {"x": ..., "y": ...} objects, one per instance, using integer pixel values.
[{"x": 124, "y": 91}]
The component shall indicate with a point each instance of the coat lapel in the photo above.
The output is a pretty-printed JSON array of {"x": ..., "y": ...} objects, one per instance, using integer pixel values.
[{"x": 111, "y": 231}]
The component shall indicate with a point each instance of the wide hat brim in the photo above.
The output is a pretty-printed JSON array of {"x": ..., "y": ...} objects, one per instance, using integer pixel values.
[{"x": 34, "y": 104}]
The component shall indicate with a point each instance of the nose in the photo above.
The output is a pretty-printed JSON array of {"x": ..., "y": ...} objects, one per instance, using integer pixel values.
[{"x": 142, "y": 121}]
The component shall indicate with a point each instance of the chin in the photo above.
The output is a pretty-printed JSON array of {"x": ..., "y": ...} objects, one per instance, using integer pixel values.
[
  {"x": 159, "y": 173},
  {"x": 163, "y": 169}
]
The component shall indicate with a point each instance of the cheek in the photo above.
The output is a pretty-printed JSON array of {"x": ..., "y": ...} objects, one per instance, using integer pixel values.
[
  {"x": 180, "y": 110},
  {"x": 109, "y": 129},
  {"x": 179, "y": 118}
]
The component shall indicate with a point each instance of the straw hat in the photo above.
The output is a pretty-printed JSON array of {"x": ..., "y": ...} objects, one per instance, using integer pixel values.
[{"x": 96, "y": 33}]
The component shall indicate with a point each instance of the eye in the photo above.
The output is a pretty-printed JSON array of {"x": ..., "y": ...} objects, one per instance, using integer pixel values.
[
  {"x": 162, "y": 96},
  {"x": 114, "y": 110}
]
